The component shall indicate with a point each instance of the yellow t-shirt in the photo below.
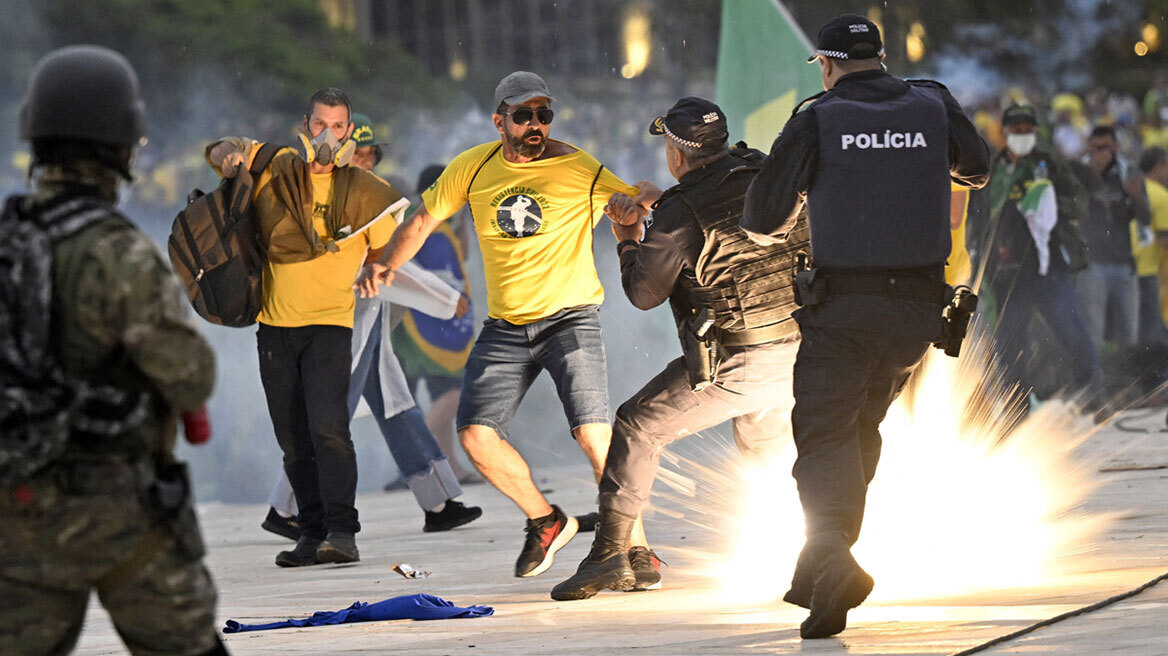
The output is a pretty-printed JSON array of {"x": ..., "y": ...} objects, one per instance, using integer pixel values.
[
  {"x": 319, "y": 291},
  {"x": 534, "y": 223},
  {"x": 958, "y": 268},
  {"x": 1148, "y": 257},
  {"x": 1152, "y": 136}
]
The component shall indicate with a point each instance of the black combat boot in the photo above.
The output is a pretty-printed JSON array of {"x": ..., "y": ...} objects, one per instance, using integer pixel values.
[
  {"x": 803, "y": 580},
  {"x": 607, "y": 565},
  {"x": 840, "y": 585}
]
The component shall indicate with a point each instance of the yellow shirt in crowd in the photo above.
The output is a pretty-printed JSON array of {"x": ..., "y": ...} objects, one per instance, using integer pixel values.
[
  {"x": 318, "y": 291},
  {"x": 958, "y": 268},
  {"x": 1150, "y": 260},
  {"x": 1154, "y": 136},
  {"x": 1148, "y": 257},
  {"x": 534, "y": 222}
]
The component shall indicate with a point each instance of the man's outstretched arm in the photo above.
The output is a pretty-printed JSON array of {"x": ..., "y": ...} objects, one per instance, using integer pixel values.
[{"x": 405, "y": 243}]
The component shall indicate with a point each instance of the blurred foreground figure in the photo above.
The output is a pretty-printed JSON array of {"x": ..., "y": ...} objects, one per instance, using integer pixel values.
[
  {"x": 112, "y": 511},
  {"x": 872, "y": 157},
  {"x": 535, "y": 202},
  {"x": 732, "y": 302}
]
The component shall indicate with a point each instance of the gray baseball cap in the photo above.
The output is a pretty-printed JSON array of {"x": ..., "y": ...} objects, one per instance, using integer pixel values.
[{"x": 521, "y": 86}]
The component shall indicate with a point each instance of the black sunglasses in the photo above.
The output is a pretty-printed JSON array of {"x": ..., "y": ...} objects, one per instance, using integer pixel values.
[{"x": 523, "y": 115}]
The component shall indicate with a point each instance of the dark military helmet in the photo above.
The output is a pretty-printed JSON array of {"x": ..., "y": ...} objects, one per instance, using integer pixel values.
[{"x": 83, "y": 92}]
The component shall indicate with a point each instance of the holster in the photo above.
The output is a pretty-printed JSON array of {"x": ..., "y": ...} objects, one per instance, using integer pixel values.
[
  {"x": 168, "y": 499},
  {"x": 700, "y": 349},
  {"x": 810, "y": 289},
  {"x": 958, "y": 312}
]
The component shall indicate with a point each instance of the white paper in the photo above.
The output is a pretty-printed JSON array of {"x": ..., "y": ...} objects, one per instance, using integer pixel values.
[{"x": 416, "y": 288}]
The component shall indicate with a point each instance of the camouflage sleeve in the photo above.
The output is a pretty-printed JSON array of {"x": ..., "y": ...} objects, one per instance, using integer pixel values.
[{"x": 127, "y": 297}]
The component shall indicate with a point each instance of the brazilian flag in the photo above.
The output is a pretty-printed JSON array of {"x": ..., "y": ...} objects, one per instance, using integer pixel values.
[{"x": 762, "y": 69}]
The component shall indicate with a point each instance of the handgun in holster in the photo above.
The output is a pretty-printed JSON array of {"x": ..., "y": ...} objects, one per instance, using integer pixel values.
[
  {"x": 810, "y": 288},
  {"x": 168, "y": 500},
  {"x": 955, "y": 320},
  {"x": 700, "y": 348}
]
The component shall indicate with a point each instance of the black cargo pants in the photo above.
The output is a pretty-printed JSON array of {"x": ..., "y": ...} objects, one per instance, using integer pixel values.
[
  {"x": 305, "y": 373},
  {"x": 845, "y": 380}
]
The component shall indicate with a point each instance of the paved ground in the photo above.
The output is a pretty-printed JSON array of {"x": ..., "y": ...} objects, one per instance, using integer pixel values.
[{"x": 472, "y": 566}]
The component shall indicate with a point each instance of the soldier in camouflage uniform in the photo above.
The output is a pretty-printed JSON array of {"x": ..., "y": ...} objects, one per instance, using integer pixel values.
[{"x": 113, "y": 515}]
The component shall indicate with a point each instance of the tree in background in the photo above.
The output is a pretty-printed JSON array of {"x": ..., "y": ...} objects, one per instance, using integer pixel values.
[{"x": 214, "y": 66}]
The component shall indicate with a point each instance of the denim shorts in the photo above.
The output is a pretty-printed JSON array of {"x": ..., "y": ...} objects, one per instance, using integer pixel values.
[{"x": 507, "y": 358}]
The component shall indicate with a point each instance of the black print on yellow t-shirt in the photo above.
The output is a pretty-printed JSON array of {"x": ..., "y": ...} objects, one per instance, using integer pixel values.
[
  {"x": 519, "y": 215},
  {"x": 319, "y": 210}
]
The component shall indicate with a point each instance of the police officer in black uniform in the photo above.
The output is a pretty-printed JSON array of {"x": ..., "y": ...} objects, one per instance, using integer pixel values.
[
  {"x": 732, "y": 301},
  {"x": 872, "y": 158}
]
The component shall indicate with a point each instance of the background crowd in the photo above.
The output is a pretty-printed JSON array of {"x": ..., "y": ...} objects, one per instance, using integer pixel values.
[{"x": 1109, "y": 147}]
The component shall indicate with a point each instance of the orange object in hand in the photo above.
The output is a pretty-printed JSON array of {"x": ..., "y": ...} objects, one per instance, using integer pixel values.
[{"x": 197, "y": 426}]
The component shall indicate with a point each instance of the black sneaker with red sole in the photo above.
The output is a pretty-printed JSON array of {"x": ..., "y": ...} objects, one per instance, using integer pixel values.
[
  {"x": 545, "y": 536},
  {"x": 646, "y": 567}
]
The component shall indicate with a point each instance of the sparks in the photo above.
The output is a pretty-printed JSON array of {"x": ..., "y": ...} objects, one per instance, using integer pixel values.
[{"x": 960, "y": 505}]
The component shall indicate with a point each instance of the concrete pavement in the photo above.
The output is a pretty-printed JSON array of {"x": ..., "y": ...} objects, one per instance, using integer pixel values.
[{"x": 473, "y": 565}]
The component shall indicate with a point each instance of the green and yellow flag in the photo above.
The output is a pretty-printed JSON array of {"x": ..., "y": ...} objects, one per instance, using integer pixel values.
[{"x": 762, "y": 69}]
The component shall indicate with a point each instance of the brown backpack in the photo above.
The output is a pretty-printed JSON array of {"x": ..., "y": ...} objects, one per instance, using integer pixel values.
[{"x": 214, "y": 248}]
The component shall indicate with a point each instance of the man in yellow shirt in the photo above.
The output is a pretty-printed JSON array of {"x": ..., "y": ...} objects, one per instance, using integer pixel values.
[
  {"x": 535, "y": 202},
  {"x": 1150, "y": 259},
  {"x": 320, "y": 221}
]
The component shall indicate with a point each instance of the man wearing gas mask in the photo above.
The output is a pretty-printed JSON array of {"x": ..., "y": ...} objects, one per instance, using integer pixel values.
[
  {"x": 320, "y": 222},
  {"x": 377, "y": 378},
  {"x": 1030, "y": 245}
]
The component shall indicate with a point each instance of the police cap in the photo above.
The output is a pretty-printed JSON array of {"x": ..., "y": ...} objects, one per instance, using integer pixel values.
[
  {"x": 693, "y": 122},
  {"x": 848, "y": 36}
]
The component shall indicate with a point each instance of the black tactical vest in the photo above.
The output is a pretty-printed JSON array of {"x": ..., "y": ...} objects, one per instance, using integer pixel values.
[
  {"x": 880, "y": 197},
  {"x": 746, "y": 285}
]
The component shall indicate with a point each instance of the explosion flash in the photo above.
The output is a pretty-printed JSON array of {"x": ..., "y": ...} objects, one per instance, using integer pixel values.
[{"x": 960, "y": 505}]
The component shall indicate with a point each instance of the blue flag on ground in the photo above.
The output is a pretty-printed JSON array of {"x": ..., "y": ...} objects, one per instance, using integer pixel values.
[{"x": 408, "y": 607}]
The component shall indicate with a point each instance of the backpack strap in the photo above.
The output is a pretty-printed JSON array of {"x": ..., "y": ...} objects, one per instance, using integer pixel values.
[{"x": 263, "y": 158}]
